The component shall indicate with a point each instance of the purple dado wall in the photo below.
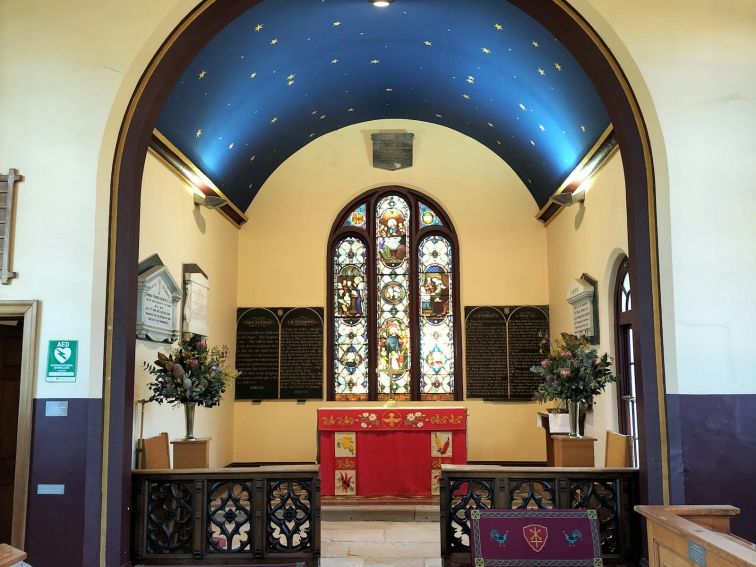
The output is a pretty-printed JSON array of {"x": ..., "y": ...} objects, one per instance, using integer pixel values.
[
  {"x": 63, "y": 530},
  {"x": 713, "y": 453}
]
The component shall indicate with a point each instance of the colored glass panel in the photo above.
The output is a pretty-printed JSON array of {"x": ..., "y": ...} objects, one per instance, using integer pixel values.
[
  {"x": 436, "y": 318},
  {"x": 357, "y": 218},
  {"x": 350, "y": 363},
  {"x": 392, "y": 271},
  {"x": 428, "y": 217}
]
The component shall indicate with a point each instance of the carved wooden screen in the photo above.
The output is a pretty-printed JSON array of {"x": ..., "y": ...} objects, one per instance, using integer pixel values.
[{"x": 393, "y": 300}]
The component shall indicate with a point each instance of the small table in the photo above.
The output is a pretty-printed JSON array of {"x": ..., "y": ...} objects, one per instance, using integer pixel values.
[
  {"x": 573, "y": 451},
  {"x": 191, "y": 453}
]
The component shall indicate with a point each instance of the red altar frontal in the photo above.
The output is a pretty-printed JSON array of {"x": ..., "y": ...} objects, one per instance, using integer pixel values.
[{"x": 388, "y": 451}]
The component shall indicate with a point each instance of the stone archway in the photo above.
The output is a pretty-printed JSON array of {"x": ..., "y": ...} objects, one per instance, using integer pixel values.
[{"x": 187, "y": 39}]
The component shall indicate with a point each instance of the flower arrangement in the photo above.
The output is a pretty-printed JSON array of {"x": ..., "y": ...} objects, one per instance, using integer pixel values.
[
  {"x": 573, "y": 372},
  {"x": 190, "y": 373}
]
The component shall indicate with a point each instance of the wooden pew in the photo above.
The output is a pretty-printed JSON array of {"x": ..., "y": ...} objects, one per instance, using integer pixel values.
[
  {"x": 688, "y": 536},
  {"x": 10, "y": 556}
]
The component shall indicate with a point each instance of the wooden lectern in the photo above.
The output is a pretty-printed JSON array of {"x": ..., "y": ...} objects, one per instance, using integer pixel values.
[{"x": 573, "y": 451}]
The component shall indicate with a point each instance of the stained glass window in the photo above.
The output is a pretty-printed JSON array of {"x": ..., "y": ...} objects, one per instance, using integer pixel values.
[
  {"x": 392, "y": 226},
  {"x": 394, "y": 301},
  {"x": 350, "y": 363},
  {"x": 436, "y": 318}
]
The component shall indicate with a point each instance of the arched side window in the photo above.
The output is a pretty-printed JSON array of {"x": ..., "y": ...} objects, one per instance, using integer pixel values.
[
  {"x": 393, "y": 300},
  {"x": 624, "y": 361}
]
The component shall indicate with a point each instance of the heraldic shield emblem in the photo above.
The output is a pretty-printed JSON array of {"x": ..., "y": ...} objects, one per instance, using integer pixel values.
[{"x": 536, "y": 536}]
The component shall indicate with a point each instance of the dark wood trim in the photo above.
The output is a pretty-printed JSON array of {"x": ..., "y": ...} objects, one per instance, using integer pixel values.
[
  {"x": 415, "y": 234},
  {"x": 623, "y": 323},
  {"x": 154, "y": 87}
]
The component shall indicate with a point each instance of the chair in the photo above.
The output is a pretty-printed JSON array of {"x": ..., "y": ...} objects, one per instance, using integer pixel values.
[
  {"x": 156, "y": 452},
  {"x": 619, "y": 452}
]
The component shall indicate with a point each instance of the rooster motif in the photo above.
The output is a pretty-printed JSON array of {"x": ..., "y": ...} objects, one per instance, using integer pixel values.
[
  {"x": 501, "y": 539},
  {"x": 574, "y": 537}
]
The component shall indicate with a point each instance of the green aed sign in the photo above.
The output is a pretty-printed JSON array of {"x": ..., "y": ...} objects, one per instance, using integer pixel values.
[{"x": 61, "y": 361}]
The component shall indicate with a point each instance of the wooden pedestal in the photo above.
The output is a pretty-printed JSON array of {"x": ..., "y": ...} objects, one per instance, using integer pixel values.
[
  {"x": 191, "y": 454},
  {"x": 573, "y": 451}
]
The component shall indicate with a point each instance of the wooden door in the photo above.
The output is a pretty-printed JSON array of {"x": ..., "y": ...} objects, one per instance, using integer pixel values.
[{"x": 11, "y": 343}]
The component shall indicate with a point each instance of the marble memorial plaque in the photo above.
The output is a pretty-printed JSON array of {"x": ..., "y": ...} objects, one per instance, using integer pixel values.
[
  {"x": 581, "y": 296},
  {"x": 196, "y": 288},
  {"x": 158, "y": 298}
]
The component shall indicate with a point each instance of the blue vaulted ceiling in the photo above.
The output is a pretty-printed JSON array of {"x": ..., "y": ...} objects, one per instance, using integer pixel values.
[{"x": 288, "y": 71}]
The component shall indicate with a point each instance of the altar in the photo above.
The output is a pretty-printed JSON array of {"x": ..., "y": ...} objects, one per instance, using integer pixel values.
[{"x": 378, "y": 451}]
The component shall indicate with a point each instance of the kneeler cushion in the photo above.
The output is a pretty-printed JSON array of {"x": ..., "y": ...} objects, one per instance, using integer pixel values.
[{"x": 535, "y": 538}]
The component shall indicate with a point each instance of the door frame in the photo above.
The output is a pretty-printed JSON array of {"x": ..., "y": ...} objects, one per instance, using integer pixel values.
[{"x": 27, "y": 311}]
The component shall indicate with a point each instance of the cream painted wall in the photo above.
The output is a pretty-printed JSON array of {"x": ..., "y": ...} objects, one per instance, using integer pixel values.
[
  {"x": 590, "y": 238},
  {"x": 182, "y": 233},
  {"x": 691, "y": 64},
  {"x": 67, "y": 70},
  {"x": 282, "y": 262}
]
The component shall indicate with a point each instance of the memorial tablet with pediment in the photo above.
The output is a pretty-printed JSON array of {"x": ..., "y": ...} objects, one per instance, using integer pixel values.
[{"x": 158, "y": 297}]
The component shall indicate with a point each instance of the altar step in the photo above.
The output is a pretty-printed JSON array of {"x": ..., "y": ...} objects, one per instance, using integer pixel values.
[{"x": 379, "y": 509}]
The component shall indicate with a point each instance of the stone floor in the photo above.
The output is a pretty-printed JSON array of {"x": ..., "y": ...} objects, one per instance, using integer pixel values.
[{"x": 380, "y": 543}]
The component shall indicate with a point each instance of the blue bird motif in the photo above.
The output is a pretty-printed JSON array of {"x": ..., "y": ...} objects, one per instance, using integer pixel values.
[
  {"x": 501, "y": 539},
  {"x": 574, "y": 537}
]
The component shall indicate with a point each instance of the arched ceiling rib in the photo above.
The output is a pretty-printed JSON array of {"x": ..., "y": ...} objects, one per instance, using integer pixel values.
[{"x": 289, "y": 71}]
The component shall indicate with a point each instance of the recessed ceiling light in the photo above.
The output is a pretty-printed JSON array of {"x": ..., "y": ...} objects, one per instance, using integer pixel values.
[{"x": 381, "y": 3}]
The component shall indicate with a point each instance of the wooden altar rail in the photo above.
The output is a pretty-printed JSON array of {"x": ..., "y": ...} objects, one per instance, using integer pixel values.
[
  {"x": 682, "y": 536},
  {"x": 612, "y": 492},
  {"x": 265, "y": 515}
]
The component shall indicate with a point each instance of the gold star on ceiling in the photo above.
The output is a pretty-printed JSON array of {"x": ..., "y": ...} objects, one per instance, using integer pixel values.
[
  {"x": 522, "y": 107},
  {"x": 389, "y": 90},
  {"x": 291, "y": 77},
  {"x": 439, "y": 116},
  {"x": 498, "y": 26},
  {"x": 532, "y": 143},
  {"x": 231, "y": 146},
  {"x": 252, "y": 158},
  {"x": 428, "y": 43},
  {"x": 582, "y": 128},
  {"x": 498, "y": 142},
  {"x": 253, "y": 75},
  {"x": 541, "y": 128},
  {"x": 274, "y": 120},
  {"x": 198, "y": 133},
  {"x": 350, "y": 109},
  {"x": 557, "y": 66},
  {"x": 541, "y": 72},
  {"x": 466, "y": 97},
  {"x": 375, "y": 61},
  {"x": 470, "y": 79},
  {"x": 485, "y": 50},
  {"x": 322, "y": 117},
  {"x": 490, "y": 125},
  {"x": 334, "y": 61},
  {"x": 336, "y": 24},
  {"x": 258, "y": 27},
  {"x": 314, "y": 112},
  {"x": 289, "y": 83},
  {"x": 273, "y": 41},
  {"x": 312, "y": 134},
  {"x": 535, "y": 44},
  {"x": 202, "y": 74}
]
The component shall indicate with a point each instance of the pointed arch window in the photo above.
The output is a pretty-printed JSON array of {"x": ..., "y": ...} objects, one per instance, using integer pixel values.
[{"x": 394, "y": 300}]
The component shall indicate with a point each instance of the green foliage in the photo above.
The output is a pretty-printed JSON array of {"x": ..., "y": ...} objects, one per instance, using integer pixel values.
[
  {"x": 190, "y": 373},
  {"x": 573, "y": 371}
]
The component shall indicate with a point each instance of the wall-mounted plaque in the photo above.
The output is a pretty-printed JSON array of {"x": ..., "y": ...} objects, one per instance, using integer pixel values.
[
  {"x": 279, "y": 352},
  {"x": 158, "y": 298},
  {"x": 392, "y": 150},
  {"x": 502, "y": 343},
  {"x": 582, "y": 296},
  {"x": 196, "y": 288}
]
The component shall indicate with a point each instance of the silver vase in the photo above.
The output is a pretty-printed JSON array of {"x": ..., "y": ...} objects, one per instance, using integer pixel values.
[
  {"x": 189, "y": 419},
  {"x": 573, "y": 408}
]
